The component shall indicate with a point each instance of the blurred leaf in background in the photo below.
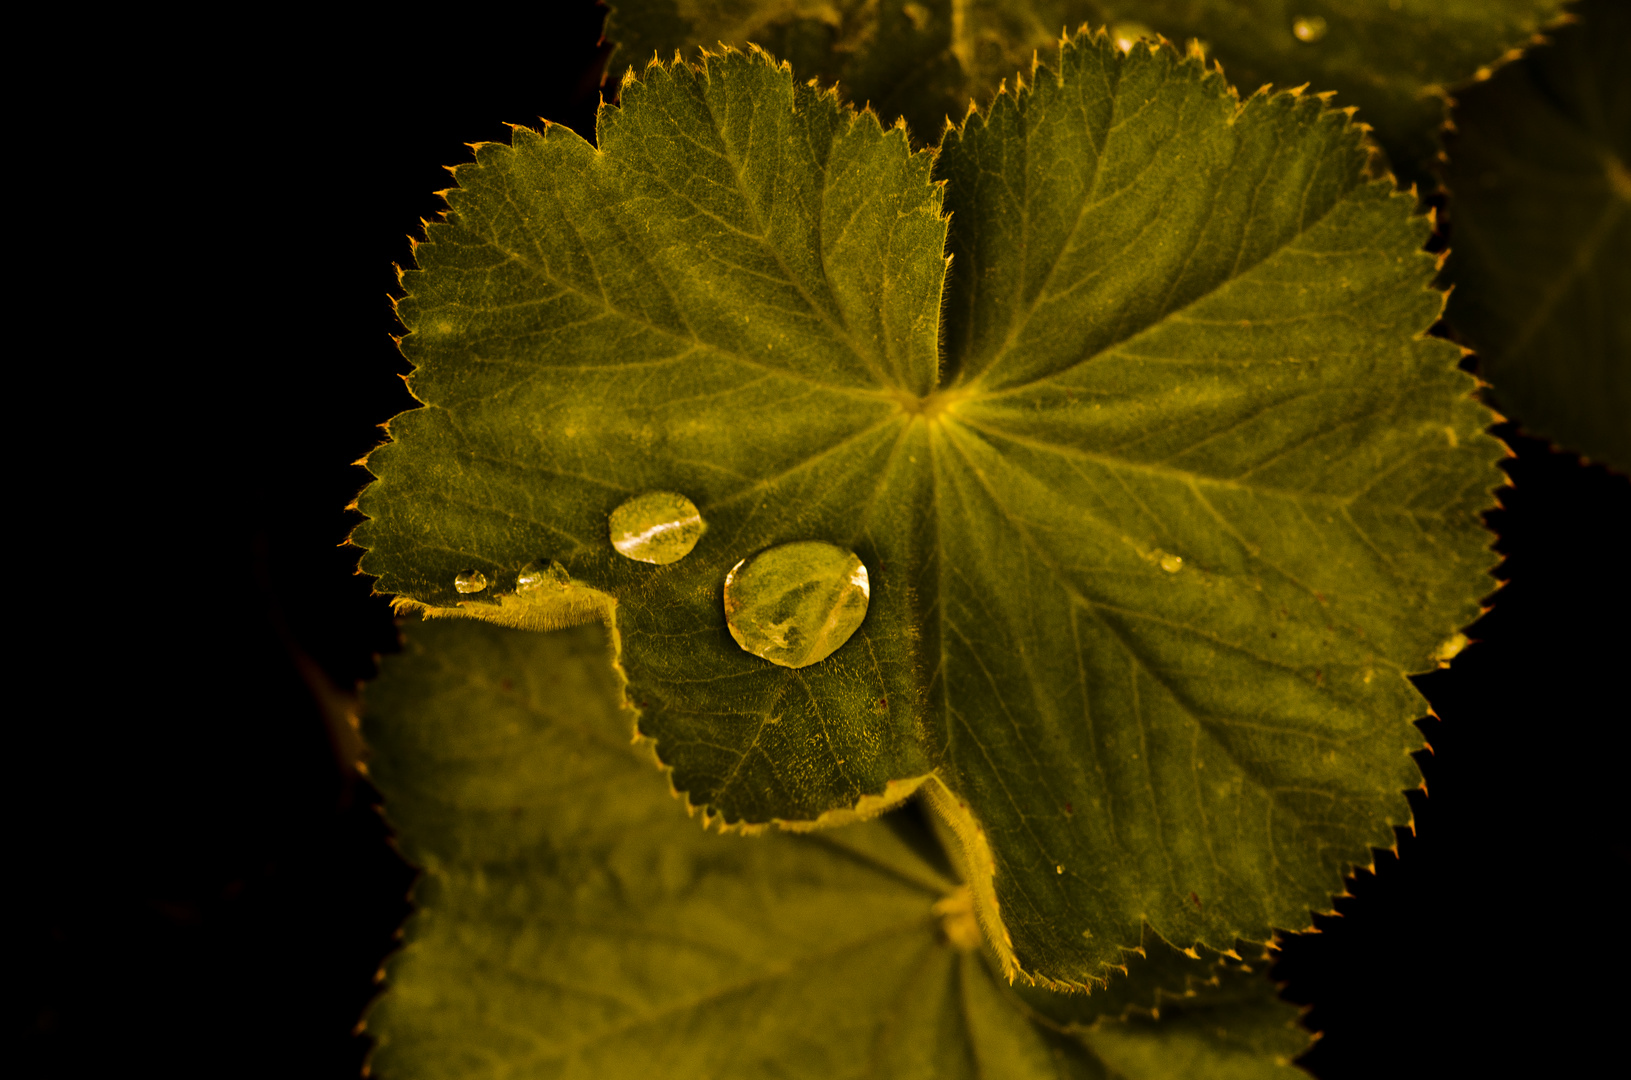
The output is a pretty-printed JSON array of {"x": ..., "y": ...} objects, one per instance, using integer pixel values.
[
  {"x": 572, "y": 920},
  {"x": 925, "y": 59},
  {"x": 1539, "y": 177}
]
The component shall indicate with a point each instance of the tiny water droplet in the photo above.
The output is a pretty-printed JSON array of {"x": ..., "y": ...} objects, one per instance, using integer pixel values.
[
  {"x": 538, "y": 575},
  {"x": 657, "y": 527},
  {"x": 795, "y": 604},
  {"x": 1059, "y": 869},
  {"x": 469, "y": 581},
  {"x": 1127, "y": 34},
  {"x": 1308, "y": 28},
  {"x": 1171, "y": 563}
]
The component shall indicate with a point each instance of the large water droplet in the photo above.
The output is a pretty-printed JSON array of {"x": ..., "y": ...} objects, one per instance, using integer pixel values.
[
  {"x": 797, "y": 603},
  {"x": 536, "y": 575},
  {"x": 657, "y": 527},
  {"x": 469, "y": 581},
  {"x": 1308, "y": 28}
]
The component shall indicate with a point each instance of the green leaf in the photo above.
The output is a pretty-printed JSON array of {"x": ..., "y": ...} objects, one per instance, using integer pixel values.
[
  {"x": 1151, "y": 547},
  {"x": 1393, "y": 59},
  {"x": 1540, "y": 177},
  {"x": 571, "y": 922}
]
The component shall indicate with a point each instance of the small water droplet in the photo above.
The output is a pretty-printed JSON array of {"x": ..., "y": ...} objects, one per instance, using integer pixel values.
[
  {"x": 1171, "y": 563},
  {"x": 1059, "y": 869},
  {"x": 469, "y": 581},
  {"x": 538, "y": 575},
  {"x": 1308, "y": 28},
  {"x": 656, "y": 527},
  {"x": 1128, "y": 34},
  {"x": 795, "y": 604},
  {"x": 1450, "y": 649}
]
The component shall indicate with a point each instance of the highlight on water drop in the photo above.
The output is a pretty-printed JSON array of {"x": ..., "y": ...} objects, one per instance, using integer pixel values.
[
  {"x": 1308, "y": 28},
  {"x": 656, "y": 527},
  {"x": 537, "y": 576},
  {"x": 795, "y": 604},
  {"x": 1128, "y": 34},
  {"x": 470, "y": 581}
]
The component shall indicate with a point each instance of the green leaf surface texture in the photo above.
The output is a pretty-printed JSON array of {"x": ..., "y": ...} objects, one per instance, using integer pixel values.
[
  {"x": 1393, "y": 59},
  {"x": 1539, "y": 174},
  {"x": 1161, "y": 492},
  {"x": 573, "y": 923}
]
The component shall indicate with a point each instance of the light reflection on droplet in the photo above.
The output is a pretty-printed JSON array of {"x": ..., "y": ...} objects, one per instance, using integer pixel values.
[
  {"x": 1128, "y": 34},
  {"x": 795, "y": 604},
  {"x": 470, "y": 581},
  {"x": 1171, "y": 563},
  {"x": 1308, "y": 28},
  {"x": 536, "y": 576},
  {"x": 656, "y": 527}
]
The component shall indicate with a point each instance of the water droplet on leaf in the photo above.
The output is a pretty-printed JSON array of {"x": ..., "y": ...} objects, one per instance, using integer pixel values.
[
  {"x": 1448, "y": 650},
  {"x": 1171, "y": 563},
  {"x": 1127, "y": 34},
  {"x": 656, "y": 527},
  {"x": 1308, "y": 28},
  {"x": 469, "y": 581},
  {"x": 795, "y": 604},
  {"x": 535, "y": 576}
]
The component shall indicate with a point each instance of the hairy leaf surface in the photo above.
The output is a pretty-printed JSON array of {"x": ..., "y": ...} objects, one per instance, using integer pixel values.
[
  {"x": 1156, "y": 518},
  {"x": 1391, "y": 58},
  {"x": 573, "y": 923},
  {"x": 1540, "y": 178}
]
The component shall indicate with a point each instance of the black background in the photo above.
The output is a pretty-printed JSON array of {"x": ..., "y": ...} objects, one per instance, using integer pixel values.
[{"x": 207, "y": 889}]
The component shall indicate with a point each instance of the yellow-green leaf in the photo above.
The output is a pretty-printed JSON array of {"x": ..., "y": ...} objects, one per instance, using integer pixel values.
[{"x": 1161, "y": 493}]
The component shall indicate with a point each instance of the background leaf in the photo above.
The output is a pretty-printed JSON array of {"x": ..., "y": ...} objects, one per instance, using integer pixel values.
[
  {"x": 1148, "y": 567},
  {"x": 897, "y": 55},
  {"x": 1393, "y": 59},
  {"x": 572, "y": 922},
  {"x": 1540, "y": 178}
]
